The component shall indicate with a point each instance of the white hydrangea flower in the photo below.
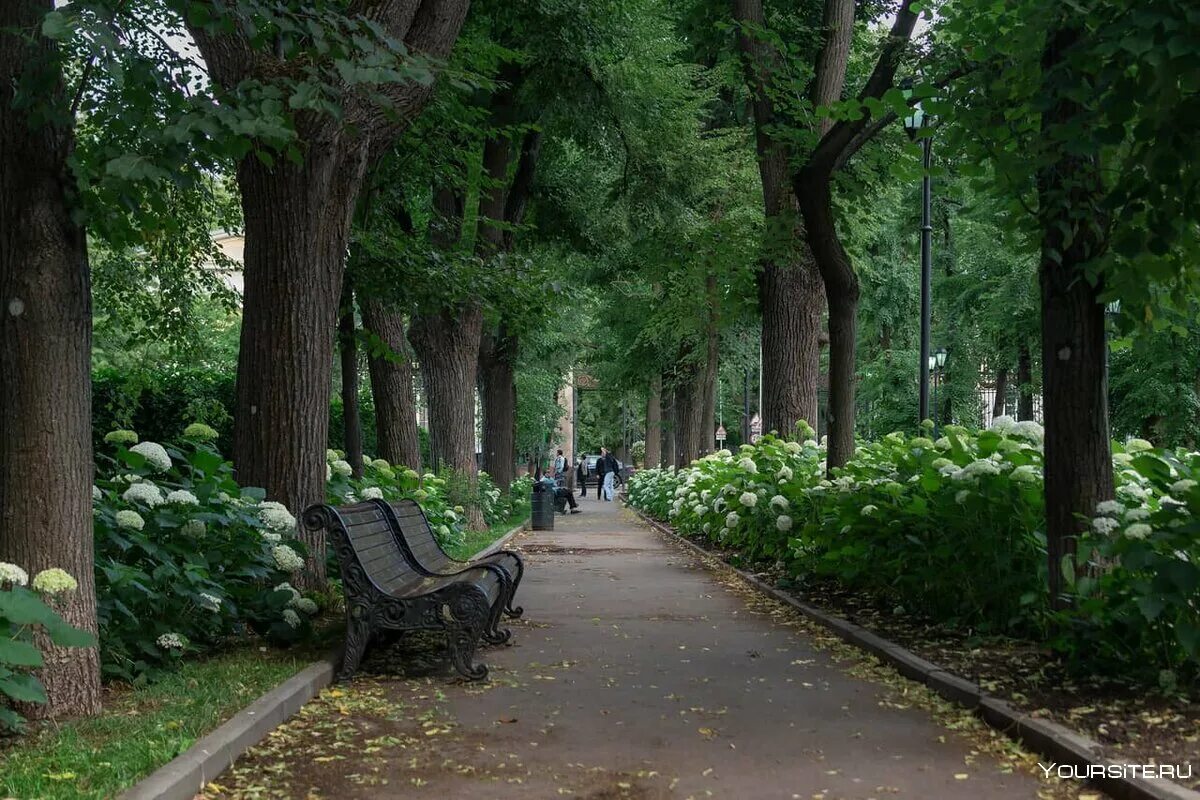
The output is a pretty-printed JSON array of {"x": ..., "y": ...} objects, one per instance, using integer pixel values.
[
  {"x": 291, "y": 618},
  {"x": 380, "y": 463},
  {"x": 1109, "y": 508},
  {"x": 961, "y": 496},
  {"x": 374, "y": 493},
  {"x": 11, "y": 573},
  {"x": 171, "y": 641},
  {"x": 981, "y": 466},
  {"x": 784, "y": 474},
  {"x": 342, "y": 468},
  {"x": 748, "y": 465},
  {"x": 1026, "y": 473},
  {"x": 718, "y": 505},
  {"x": 1183, "y": 487},
  {"x": 183, "y": 497},
  {"x": 748, "y": 499},
  {"x": 732, "y": 519},
  {"x": 942, "y": 443},
  {"x": 443, "y": 531},
  {"x": 331, "y": 456},
  {"x": 450, "y": 516},
  {"x": 130, "y": 519},
  {"x": 1105, "y": 525},
  {"x": 286, "y": 586},
  {"x": 328, "y": 473},
  {"x": 1138, "y": 530},
  {"x": 1137, "y": 514},
  {"x": 271, "y": 538},
  {"x": 1133, "y": 491},
  {"x": 305, "y": 606},
  {"x": 706, "y": 527},
  {"x": 868, "y": 510},
  {"x": 1003, "y": 423},
  {"x": 794, "y": 448},
  {"x": 1122, "y": 459},
  {"x": 1167, "y": 500},
  {"x": 276, "y": 516},
  {"x": 54, "y": 581},
  {"x": 193, "y": 527},
  {"x": 779, "y": 501},
  {"x": 1138, "y": 446},
  {"x": 145, "y": 493},
  {"x": 705, "y": 496},
  {"x": 120, "y": 437},
  {"x": 155, "y": 455},
  {"x": 286, "y": 558},
  {"x": 699, "y": 510},
  {"x": 96, "y": 494},
  {"x": 210, "y": 601},
  {"x": 783, "y": 523}
]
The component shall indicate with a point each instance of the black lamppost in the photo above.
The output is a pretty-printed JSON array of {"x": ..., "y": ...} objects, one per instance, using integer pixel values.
[
  {"x": 937, "y": 363},
  {"x": 913, "y": 125}
]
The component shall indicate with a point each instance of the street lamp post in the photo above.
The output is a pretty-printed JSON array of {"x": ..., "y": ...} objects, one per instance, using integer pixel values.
[
  {"x": 913, "y": 124},
  {"x": 936, "y": 363}
]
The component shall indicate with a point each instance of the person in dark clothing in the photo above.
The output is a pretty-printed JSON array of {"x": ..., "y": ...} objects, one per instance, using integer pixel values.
[
  {"x": 610, "y": 474},
  {"x": 581, "y": 476},
  {"x": 601, "y": 470},
  {"x": 563, "y": 496}
]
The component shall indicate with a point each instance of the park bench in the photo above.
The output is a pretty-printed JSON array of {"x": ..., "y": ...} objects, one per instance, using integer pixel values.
[
  {"x": 427, "y": 554},
  {"x": 385, "y": 593}
]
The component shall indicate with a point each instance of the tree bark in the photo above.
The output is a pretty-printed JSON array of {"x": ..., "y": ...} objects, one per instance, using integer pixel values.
[
  {"x": 1078, "y": 459},
  {"x": 1024, "y": 383},
  {"x": 498, "y": 398},
  {"x": 297, "y": 219},
  {"x": 791, "y": 295},
  {"x": 654, "y": 432},
  {"x": 668, "y": 426},
  {"x": 689, "y": 406},
  {"x": 348, "y": 351},
  {"x": 46, "y": 465},
  {"x": 1001, "y": 389},
  {"x": 842, "y": 293},
  {"x": 708, "y": 386},
  {"x": 392, "y": 387}
]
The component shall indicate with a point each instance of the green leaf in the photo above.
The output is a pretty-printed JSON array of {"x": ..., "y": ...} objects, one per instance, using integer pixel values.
[
  {"x": 22, "y": 607},
  {"x": 66, "y": 635},
  {"x": 20, "y": 654},
  {"x": 23, "y": 688}
]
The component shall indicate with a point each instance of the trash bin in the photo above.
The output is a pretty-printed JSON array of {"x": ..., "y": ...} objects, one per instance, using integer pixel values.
[{"x": 542, "y": 508}]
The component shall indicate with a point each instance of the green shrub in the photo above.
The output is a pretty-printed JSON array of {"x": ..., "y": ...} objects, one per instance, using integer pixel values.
[
  {"x": 185, "y": 557},
  {"x": 22, "y": 613}
]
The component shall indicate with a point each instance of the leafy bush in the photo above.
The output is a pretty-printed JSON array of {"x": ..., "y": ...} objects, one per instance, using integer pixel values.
[
  {"x": 185, "y": 557},
  {"x": 952, "y": 530},
  {"x": 22, "y": 613}
]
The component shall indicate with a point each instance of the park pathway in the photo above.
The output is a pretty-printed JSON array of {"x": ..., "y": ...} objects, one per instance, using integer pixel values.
[{"x": 637, "y": 673}]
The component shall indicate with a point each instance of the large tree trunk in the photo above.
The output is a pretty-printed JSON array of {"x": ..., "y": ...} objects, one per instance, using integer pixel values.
[
  {"x": 1024, "y": 383},
  {"x": 654, "y": 432},
  {"x": 498, "y": 398},
  {"x": 1078, "y": 460},
  {"x": 668, "y": 426},
  {"x": 708, "y": 385},
  {"x": 689, "y": 405},
  {"x": 297, "y": 219},
  {"x": 1001, "y": 390},
  {"x": 391, "y": 385},
  {"x": 842, "y": 292},
  {"x": 46, "y": 462},
  {"x": 791, "y": 295},
  {"x": 348, "y": 351}
]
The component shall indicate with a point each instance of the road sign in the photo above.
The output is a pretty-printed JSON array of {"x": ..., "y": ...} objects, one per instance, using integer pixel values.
[
  {"x": 755, "y": 428},
  {"x": 720, "y": 433}
]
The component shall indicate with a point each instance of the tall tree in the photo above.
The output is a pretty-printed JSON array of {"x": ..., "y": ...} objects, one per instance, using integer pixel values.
[
  {"x": 45, "y": 345},
  {"x": 347, "y": 332},
  {"x": 298, "y": 208},
  {"x": 813, "y": 185},
  {"x": 391, "y": 367},
  {"x": 791, "y": 295}
]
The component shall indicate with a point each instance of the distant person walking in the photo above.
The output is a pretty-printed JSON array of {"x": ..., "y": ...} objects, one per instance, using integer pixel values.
[
  {"x": 581, "y": 473},
  {"x": 610, "y": 474},
  {"x": 560, "y": 465},
  {"x": 601, "y": 473}
]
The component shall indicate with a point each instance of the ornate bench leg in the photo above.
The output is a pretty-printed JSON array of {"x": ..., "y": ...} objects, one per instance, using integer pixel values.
[
  {"x": 509, "y": 609},
  {"x": 466, "y": 618},
  {"x": 358, "y": 634}
]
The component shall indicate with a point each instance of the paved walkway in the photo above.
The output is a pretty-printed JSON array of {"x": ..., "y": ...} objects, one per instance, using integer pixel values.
[{"x": 638, "y": 673}]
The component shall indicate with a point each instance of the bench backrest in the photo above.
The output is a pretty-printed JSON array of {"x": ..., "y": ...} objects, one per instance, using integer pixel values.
[
  {"x": 414, "y": 527},
  {"x": 368, "y": 534}
]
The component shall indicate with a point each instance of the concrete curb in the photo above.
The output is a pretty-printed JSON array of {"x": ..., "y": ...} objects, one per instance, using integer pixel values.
[
  {"x": 1044, "y": 737},
  {"x": 499, "y": 543},
  {"x": 185, "y": 775}
]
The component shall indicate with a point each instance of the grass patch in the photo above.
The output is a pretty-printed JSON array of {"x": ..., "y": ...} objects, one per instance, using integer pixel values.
[
  {"x": 142, "y": 728},
  {"x": 474, "y": 541}
]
